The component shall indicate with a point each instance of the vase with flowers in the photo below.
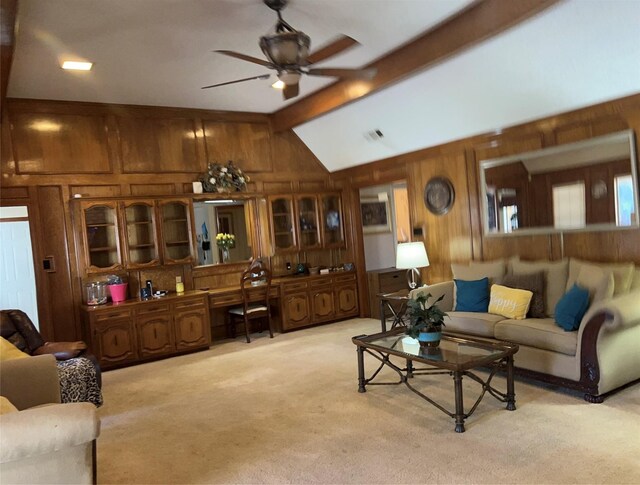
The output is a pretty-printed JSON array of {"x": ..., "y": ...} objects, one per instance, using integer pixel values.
[
  {"x": 220, "y": 178},
  {"x": 425, "y": 321},
  {"x": 225, "y": 242}
]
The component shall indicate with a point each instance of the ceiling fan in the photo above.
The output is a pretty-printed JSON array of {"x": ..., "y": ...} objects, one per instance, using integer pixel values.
[{"x": 287, "y": 52}]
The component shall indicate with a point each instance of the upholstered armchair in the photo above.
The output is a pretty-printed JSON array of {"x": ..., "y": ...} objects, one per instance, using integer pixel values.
[
  {"x": 50, "y": 443},
  {"x": 17, "y": 328}
]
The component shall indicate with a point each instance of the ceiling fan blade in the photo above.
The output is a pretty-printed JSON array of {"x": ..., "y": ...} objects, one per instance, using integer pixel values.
[
  {"x": 245, "y": 57},
  {"x": 368, "y": 73},
  {"x": 290, "y": 91},
  {"x": 262, "y": 76},
  {"x": 342, "y": 43}
]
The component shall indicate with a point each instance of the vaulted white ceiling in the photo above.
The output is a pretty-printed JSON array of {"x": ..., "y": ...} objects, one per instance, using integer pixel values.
[{"x": 158, "y": 52}]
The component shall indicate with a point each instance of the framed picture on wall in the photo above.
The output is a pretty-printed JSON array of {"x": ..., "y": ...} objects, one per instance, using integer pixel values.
[{"x": 375, "y": 215}]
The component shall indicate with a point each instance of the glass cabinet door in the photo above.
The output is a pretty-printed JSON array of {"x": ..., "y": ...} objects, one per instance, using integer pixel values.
[
  {"x": 282, "y": 223},
  {"x": 140, "y": 240},
  {"x": 332, "y": 222},
  {"x": 308, "y": 227},
  {"x": 175, "y": 219},
  {"x": 101, "y": 232}
]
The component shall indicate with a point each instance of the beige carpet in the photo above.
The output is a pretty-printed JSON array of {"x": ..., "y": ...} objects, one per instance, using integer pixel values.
[{"x": 287, "y": 410}]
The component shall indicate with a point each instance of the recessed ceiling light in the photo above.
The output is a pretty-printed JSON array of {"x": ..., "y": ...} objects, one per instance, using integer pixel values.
[
  {"x": 77, "y": 66},
  {"x": 278, "y": 85}
]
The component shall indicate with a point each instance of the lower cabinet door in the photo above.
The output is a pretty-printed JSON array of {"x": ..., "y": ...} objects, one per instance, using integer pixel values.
[
  {"x": 114, "y": 342},
  {"x": 154, "y": 335},
  {"x": 322, "y": 305},
  {"x": 346, "y": 301},
  {"x": 192, "y": 328},
  {"x": 295, "y": 311}
]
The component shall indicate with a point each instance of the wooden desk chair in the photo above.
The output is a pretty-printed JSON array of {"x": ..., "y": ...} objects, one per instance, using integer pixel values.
[{"x": 255, "y": 284}]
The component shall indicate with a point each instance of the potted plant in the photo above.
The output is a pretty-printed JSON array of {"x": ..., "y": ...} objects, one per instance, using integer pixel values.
[{"x": 425, "y": 321}]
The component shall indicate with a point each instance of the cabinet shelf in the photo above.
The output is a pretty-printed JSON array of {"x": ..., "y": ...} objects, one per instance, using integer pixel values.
[
  {"x": 141, "y": 246},
  {"x": 175, "y": 220},
  {"x": 176, "y": 243},
  {"x": 102, "y": 249},
  {"x": 138, "y": 223},
  {"x": 104, "y": 224},
  {"x": 281, "y": 214}
]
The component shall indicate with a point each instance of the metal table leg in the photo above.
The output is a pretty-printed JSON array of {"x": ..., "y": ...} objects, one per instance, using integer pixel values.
[
  {"x": 511, "y": 394},
  {"x": 459, "y": 417},
  {"x": 361, "y": 378}
]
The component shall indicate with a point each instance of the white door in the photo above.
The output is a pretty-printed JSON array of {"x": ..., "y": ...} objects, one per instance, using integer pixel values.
[{"x": 17, "y": 278}]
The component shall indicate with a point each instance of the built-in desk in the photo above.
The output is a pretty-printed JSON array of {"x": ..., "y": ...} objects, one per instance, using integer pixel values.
[{"x": 303, "y": 300}]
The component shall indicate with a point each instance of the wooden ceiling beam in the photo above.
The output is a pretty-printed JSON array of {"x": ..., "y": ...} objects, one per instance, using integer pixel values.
[
  {"x": 7, "y": 41},
  {"x": 478, "y": 22}
]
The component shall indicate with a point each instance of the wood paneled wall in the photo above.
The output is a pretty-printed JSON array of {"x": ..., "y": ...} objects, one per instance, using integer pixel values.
[
  {"x": 457, "y": 236},
  {"x": 52, "y": 150}
]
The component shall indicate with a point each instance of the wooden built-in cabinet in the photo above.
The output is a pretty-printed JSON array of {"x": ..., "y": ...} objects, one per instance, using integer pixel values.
[
  {"x": 306, "y": 221},
  {"x": 176, "y": 231},
  {"x": 101, "y": 236},
  {"x": 318, "y": 299},
  {"x": 140, "y": 234},
  {"x": 136, "y": 330},
  {"x": 135, "y": 233},
  {"x": 331, "y": 217}
]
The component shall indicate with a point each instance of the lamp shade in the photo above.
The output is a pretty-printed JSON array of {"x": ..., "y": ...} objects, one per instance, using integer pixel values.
[{"x": 411, "y": 255}]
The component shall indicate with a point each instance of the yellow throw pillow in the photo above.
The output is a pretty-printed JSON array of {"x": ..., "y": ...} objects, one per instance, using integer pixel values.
[
  {"x": 8, "y": 351},
  {"x": 509, "y": 302},
  {"x": 6, "y": 407}
]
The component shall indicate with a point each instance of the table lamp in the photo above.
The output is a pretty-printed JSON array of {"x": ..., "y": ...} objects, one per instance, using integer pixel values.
[{"x": 411, "y": 256}]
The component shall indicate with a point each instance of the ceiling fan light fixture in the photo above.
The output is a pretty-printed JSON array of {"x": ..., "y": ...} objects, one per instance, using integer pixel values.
[
  {"x": 286, "y": 48},
  {"x": 289, "y": 77}
]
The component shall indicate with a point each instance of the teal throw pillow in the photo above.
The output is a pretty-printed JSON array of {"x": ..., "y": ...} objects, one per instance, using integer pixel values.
[
  {"x": 472, "y": 296},
  {"x": 571, "y": 308}
]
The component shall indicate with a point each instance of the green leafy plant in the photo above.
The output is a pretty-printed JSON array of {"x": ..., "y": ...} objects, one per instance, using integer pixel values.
[{"x": 423, "y": 317}]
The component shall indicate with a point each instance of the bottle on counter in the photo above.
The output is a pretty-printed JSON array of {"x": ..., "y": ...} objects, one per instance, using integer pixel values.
[
  {"x": 149, "y": 287},
  {"x": 179, "y": 285}
]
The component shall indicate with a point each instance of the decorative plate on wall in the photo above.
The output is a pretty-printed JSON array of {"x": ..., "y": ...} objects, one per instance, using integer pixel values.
[{"x": 439, "y": 195}]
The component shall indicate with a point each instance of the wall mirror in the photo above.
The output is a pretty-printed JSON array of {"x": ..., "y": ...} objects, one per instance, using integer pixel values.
[
  {"x": 587, "y": 185},
  {"x": 226, "y": 216}
]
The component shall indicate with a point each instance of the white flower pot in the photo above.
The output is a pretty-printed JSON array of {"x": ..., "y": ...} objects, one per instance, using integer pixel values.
[{"x": 410, "y": 345}]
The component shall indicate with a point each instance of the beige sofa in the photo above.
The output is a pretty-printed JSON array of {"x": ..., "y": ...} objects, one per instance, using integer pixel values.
[
  {"x": 44, "y": 441},
  {"x": 601, "y": 356}
]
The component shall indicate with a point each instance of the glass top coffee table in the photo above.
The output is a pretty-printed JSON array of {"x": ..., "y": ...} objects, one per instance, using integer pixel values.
[{"x": 455, "y": 356}]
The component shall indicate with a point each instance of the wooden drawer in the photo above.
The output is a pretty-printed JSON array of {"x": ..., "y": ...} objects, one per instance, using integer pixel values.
[
  {"x": 105, "y": 316},
  {"x": 324, "y": 282},
  {"x": 224, "y": 300},
  {"x": 389, "y": 282},
  {"x": 344, "y": 278},
  {"x": 189, "y": 304},
  {"x": 152, "y": 307},
  {"x": 293, "y": 287}
]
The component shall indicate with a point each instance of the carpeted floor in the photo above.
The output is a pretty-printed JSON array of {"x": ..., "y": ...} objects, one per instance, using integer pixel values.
[{"x": 287, "y": 410}]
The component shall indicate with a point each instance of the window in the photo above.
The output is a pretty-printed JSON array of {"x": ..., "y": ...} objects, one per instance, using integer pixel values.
[
  {"x": 625, "y": 215},
  {"x": 569, "y": 207}
]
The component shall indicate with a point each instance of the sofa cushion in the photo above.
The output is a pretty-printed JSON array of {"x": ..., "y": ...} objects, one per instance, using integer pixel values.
[
  {"x": 541, "y": 333},
  {"x": 598, "y": 281},
  {"x": 623, "y": 274},
  {"x": 572, "y": 307},
  {"x": 494, "y": 270},
  {"x": 555, "y": 278},
  {"x": 635, "y": 282},
  {"x": 472, "y": 296},
  {"x": 479, "y": 324},
  {"x": 533, "y": 282},
  {"x": 8, "y": 351},
  {"x": 509, "y": 302}
]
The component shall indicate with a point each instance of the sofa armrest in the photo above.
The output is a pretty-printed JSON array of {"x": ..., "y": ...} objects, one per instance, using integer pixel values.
[
  {"x": 437, "y": 290},
  {"x": 619, "y": 312},
  {"x": 30, "y": 382},
  {"x": 46, "y": 429}
]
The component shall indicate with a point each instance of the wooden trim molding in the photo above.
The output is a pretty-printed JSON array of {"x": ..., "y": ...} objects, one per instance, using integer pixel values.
[
  {"x": 481, "y": 20},
  {"x": 7, "y": 42}
]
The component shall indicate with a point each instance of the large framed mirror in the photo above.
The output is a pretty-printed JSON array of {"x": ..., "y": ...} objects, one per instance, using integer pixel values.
[
  {"x": 587, "y": 185},
  {"x": 226, "y": 216}
]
